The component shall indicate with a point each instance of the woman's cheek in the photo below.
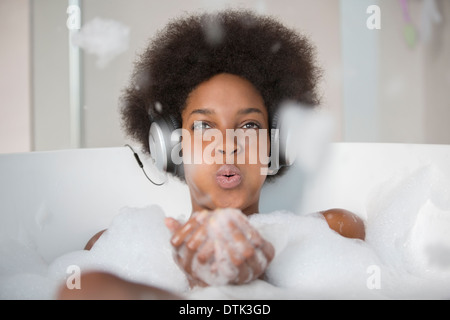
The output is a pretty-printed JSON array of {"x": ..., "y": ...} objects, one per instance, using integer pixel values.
[
  {"x": 199, "y": 149},
  {"x": 262, "y": 152}
]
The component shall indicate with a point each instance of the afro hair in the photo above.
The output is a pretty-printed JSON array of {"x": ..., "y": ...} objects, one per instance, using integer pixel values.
[{"x": 279, "y": 62}]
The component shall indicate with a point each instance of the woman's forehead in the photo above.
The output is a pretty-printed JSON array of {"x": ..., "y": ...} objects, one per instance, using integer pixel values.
[{"x": 225, "y": 94}]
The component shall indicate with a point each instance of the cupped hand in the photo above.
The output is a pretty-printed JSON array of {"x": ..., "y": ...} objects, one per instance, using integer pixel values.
[{"x": 219, "y": 247}]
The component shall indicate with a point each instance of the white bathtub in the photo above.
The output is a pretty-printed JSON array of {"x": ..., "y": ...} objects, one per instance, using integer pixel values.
[{"x": 53, "y": 202}]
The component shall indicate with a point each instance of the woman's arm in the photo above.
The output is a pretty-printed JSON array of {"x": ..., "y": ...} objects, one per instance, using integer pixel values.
[{"x": 97, "y": 285}]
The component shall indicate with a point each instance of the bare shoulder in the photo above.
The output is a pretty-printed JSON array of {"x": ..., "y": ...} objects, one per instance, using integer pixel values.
[
  {"x": 93, "y": 240},
  {"x": 345, "y": 222}
]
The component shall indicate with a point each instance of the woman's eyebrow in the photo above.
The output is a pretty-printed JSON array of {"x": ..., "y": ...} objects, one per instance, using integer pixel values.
[
  {"x": 202, "y": 111},
  {"x": 249, "y": 110},
  {"x": 240, "y": 112}
]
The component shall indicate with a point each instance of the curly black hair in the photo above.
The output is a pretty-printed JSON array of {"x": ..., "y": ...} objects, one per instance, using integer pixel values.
[{"x": 279, "y": 62}]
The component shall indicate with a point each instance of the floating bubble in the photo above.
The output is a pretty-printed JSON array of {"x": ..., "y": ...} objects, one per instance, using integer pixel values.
[
  {"x": 275, "y": 47},
  {"x": 306, "y": 133},
  {"x": 104, "y": 38},
  {"x": 213, "y": 30},
  {"x": 158, "y": 107}
]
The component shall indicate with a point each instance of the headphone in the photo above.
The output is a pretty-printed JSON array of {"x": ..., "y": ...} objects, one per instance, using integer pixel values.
[
  {"x": 162, "y": 138},
  {"x": 162, "y": 141}
]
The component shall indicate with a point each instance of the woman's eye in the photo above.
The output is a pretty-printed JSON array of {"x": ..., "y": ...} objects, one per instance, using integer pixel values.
[
  {"x": 251, "y": 125},
  {"x": 200, "y": 125}
]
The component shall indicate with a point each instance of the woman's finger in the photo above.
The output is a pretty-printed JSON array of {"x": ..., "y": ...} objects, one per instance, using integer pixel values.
[
  {"x": 182, "y": 233},
  {"x": 172, "y": 224},
  {"x": 268, "y": 251},
  {"x": 248, "y": 230},
  {"x": 205, "y": 252},
  {"x": 197, "y": 238},
  {"x": 240, "y": 241},
  {"x": 245, "y": 274}
]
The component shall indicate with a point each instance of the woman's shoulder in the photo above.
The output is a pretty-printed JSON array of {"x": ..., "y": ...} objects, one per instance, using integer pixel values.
[
  {"x": 93, "y": 240},
  {"x": 345, "y": 222}
]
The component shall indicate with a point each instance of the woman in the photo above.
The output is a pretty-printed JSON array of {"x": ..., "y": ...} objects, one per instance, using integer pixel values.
[{"x": 226, "y": 71}]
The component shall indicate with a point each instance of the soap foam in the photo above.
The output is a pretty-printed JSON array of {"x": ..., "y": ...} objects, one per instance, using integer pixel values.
[{"x": 135, "y": 247}]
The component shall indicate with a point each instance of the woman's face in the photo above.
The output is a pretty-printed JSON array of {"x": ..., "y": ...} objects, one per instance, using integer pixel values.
[{"x": 225, "y": 142}]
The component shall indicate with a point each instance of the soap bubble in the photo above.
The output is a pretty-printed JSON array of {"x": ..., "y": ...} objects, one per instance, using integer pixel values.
[
  {"x": 158, "y": 107},
  {"x": 213, "y": 30},
  {"x": 306, "y": 133},
  {"x": 275, "y": 47},
  {"x": 104, "y": 38}
]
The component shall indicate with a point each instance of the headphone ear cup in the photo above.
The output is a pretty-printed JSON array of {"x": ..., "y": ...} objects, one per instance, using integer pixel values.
[
  {"x": 281, "y": 152},
  {"x": 175, "y": 141},
  {"x": 276, "y": 151},
  {"x": 161, "y": 143}
]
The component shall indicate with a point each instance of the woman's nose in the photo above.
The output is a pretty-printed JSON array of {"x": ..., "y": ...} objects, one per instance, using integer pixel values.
[
  {"x": 229, "y": 148},
  {"x": 231, "y": 144}
]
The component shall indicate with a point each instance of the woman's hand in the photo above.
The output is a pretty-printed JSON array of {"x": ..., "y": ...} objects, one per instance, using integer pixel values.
[{"x": 219, "y": 247}]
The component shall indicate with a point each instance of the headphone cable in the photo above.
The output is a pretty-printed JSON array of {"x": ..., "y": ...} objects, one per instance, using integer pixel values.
[{"x": 141, "y": 165}]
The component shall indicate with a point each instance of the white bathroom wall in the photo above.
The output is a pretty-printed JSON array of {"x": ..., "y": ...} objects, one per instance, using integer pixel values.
[
  {"x": 437, "y": 80},
  {"x": 15, "y": 85},
  {"x": 50, "y": 63},
  {"x": 102, "y": 86},
  {"x": 394, "y": 91},
  {"x": 360, "y": 51},
  {"x": 375, "y": 85}
]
